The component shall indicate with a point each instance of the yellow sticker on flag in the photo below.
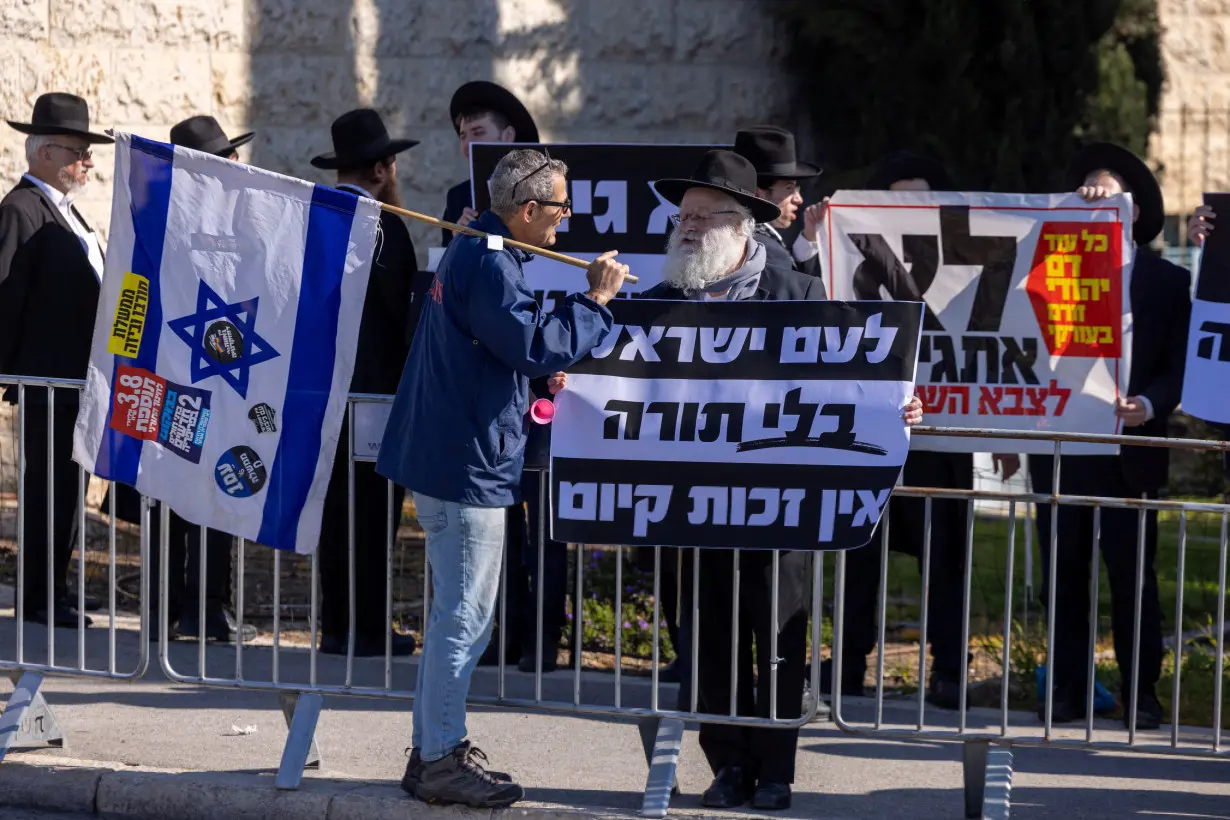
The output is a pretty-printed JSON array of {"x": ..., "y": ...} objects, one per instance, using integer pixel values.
[{"x": 129, "y": 323}]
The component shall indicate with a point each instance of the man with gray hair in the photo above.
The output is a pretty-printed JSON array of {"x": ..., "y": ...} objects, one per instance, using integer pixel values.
[
  {"x": 51, "y": 266},
  {"x": 456, "y": 439}
]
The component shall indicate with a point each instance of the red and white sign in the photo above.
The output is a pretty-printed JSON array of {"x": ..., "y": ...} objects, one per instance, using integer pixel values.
[{"x": 1027, "y": 323}]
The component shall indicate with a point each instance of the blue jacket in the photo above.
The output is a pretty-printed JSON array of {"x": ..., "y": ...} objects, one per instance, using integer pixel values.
[{"x": 456, "y": 429}]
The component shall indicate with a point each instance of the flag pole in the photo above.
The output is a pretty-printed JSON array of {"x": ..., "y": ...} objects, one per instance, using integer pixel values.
[{"x": 440, "y": 223}]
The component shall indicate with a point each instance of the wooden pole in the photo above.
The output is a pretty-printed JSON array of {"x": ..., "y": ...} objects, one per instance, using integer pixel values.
[{"x": 440, "y": 223}]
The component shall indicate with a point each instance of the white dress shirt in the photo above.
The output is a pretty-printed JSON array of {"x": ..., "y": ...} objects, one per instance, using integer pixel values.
[{"x": 64, "y": 204}]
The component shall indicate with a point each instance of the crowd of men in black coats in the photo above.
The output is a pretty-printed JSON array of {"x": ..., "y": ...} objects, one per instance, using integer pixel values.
[{"x": 51, "y": 265}]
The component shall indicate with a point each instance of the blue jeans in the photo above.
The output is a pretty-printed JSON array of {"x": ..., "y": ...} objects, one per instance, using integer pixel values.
[{"x": 464, "y": 548}]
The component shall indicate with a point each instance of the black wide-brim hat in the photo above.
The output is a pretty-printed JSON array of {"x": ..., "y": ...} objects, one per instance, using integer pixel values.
[
  {"x": 901, "y": 165},
  {"x": 493, "y": 97},
  {"x": 360, "y": 139},
  {"x": 1146, "y": 193},
  {"x": 724, "y": 171},
  {"x": 59, "y": 113},
  {"x": 771, "y": 151},
  {"x": 204, "y": 134}
]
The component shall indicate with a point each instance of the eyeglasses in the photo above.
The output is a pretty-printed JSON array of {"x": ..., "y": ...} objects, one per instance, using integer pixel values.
[
  {"x": 679, "y": 219},
  {"x": 82, "y": 154},
  {"x": 566, "y": 204}
]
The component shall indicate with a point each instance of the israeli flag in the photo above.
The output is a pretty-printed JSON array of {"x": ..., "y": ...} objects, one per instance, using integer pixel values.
[{"x": 225, "y": 340}]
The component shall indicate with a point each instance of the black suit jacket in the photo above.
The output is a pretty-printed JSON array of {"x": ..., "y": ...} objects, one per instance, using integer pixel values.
[
  {"x": 457, "y": 201},
  {"x": 48, "y": 292},
  {"x": 776, "y": 284},
  {"x": 390, "y": 310},
  {"x": 1161, "y": 311},
  {"x": 778, "y": 255}
]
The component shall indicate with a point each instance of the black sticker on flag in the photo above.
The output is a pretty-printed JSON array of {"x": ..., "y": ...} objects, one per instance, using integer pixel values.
[
  {"x": 240, "y": 472},
  {"x": 223, "y": 342},
  {"x": 263, "y": 416}
]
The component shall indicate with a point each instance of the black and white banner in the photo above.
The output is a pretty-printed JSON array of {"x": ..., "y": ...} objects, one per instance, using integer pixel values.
[
  {"x": 1027, "y": 323},
  {"x": 614, "y": 207},
  {"x": 771, "y": 425},
  {"x": 1206, "y": 381}
]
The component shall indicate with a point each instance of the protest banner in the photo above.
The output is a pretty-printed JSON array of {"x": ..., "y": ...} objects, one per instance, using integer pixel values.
[
  {"x": 735, "y": 424},
  {"x": 614, "y": 207},
  {"x": 1027, "y": 323},
  {"x": 1206, "y": 381},
  {"x": 225, "y": 340}
]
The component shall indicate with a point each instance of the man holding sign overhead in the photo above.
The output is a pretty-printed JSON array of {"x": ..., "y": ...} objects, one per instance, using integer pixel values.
[{"x": 456, "y": 439}]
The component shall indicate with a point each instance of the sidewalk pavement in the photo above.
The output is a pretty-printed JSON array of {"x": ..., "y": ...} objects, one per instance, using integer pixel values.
[{"x": 170, "y": 750}]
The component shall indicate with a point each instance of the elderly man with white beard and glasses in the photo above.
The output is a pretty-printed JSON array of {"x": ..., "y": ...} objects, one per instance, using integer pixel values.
[{"x": 713, "y": 256}]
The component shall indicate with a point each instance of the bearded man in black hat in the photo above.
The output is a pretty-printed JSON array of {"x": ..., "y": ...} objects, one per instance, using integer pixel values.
[
  {"x": 778, "y": 176},
  {"x": 713, "y": 255},
  {"x": 482, "y": 111},
  {"x": 200, "y": 133},
  {"x": 51, "y": 266},
  {"x": 365, "y": 159},
  {"x": 1160, "y": 299}
]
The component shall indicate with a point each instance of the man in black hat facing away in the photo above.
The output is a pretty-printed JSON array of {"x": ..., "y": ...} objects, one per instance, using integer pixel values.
[
  {"x": 201, "y": 133},
  {"x": 482, "y": 111},
  {"x": 51, "y": 265},
  {"x": 778, "y": 174},
  {"x": 1160, "y": 299},
  {"x": 365, "y": 158}
]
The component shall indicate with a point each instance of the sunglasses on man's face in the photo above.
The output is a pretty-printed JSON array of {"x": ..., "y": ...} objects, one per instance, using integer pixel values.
[{"x": 82, "y": 154}]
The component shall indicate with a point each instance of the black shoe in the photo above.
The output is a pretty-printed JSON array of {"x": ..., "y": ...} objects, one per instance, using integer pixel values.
[
  {"x": 64, "y": 615},
  {"x": 771, "y": 796},
  {"x": 728, "y": 790},
  {"x": 944, "y": 693},
  {"x": 1068, "y": 707},
  {"x": 491, "y": 655},
  {"x": 1148, "y": 715},
  {"x": 414, "y": 770},
  {"x": 92, "y": 603},
  {"x": 219, "y": 624},
  {"x": 459, "y": 777},
  {"x": 550, "y": 661},
  {"x": 852, "y": 674},
  {"x": 367, "y": 646}
]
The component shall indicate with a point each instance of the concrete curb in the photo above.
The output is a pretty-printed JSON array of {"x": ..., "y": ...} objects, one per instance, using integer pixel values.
[{"x": 139, "y": 793}]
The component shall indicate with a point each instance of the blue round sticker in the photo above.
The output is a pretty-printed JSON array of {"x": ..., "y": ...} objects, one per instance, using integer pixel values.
[{"x": 240, "y": 472}]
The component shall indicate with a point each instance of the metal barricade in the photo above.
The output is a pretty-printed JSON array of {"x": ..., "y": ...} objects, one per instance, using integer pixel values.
[
  {"x": 301, "y": 680},
  {"x": 27, "y": 718},
  {"x": 989, "y": 734}
]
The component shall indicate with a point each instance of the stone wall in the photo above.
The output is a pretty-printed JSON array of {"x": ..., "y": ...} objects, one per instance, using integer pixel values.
[
  {"x": 609, "y": 70},
  {"x": 589, "y": 70},
  {"x": 1192, "y": 143}
]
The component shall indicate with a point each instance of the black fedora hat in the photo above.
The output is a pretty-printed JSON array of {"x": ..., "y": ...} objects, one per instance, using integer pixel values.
[
  {"x": 493, "y": 97},
  {"x": 359, "y": 139},
  {"x": 727, "y": 172},
  {"x": 901, "y": 165},
  {"x": 59, "y": 113},
  {"x": 771, "y": 151},
  {"x": 204, "y": 134},
  {"x": 1146, "y": 193}
]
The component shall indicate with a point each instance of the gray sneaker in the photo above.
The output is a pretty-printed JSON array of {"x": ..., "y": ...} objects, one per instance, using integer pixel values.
[
  {"x": 414, "y": 771},
  {"x": 459, "y": 777}
]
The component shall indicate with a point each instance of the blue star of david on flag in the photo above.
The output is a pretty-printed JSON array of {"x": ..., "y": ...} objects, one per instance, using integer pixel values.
[{"x": 222, "y": 339}]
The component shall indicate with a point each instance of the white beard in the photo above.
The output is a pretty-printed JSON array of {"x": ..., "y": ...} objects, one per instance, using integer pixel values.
[
  {"x": 692, "y": 268},
  {"x": 72, "y": 186}
]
